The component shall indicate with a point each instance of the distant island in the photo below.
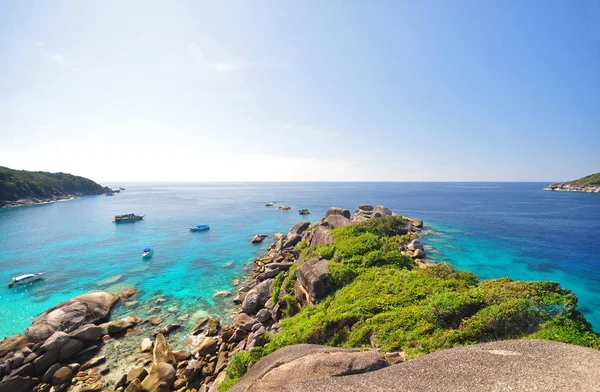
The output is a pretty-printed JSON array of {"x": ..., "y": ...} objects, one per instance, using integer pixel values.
[
  {"x": 22, "y": 187},
  {"x": 589, "y": 184}
]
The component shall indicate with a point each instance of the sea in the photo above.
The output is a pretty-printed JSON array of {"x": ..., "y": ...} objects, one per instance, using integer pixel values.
[{"x": 492, "y": 229}]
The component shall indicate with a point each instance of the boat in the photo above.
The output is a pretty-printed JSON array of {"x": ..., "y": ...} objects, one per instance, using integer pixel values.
[
  {"x": 147, "y": 252},
  {"x": 127, "y": 218},
  {"x": 270, "y": 204},
  {"x": 109, "y": 194},
  {"x": 200, "y": 227},
  {"x": 24, "y": 279}
]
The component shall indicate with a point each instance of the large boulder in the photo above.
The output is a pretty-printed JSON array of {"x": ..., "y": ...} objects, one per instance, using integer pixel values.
[
  {"x": 87, "y": 333},
  {"x": 258, "y": 238},
  {"x": 12, "y": 343},
  {"x": 414, "y": 245},
  {"x": 71, "y": 314},
  {"x": 320, "y": 236},
  {"x": 161, "y": 373},
  {"x": 257, "y": 296},
  {"x": 15, "y": 384},
  {"x": 512, "y": 365},
  {"x": 161, "y": 352},
  {"x": 299, "y": 227},
  {"x": 381, "y": 211},
  {"x": 305, "y": 362},
  {"x": 119, "y": 325},
  {"x": 334, "y": 221},
  {"x": 312, "y": 281},
  {"x": 291, "y": 240},
  {"x": 337, "y": 211}
]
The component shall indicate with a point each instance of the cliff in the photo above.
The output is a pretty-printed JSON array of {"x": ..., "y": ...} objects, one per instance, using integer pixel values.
[
  {"x": 589, "y": 184},
  {"x": 29, "y": 187}
]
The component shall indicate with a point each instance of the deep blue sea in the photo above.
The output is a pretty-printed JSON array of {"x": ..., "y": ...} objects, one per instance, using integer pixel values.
[{"x": 492, "y": 229}]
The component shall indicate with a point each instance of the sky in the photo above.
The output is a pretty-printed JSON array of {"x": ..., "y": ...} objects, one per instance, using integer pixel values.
[{"x": 301, "y": 90}]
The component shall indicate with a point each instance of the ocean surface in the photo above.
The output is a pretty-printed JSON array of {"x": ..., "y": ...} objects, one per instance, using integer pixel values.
[{"x": 492, "y": 229}]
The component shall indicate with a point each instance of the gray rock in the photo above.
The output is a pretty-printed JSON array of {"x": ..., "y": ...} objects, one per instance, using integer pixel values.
[
  {"x": 414, "y": 245},
  {"x": 70, "y": 348},
  {"x": 62, "y": 376},
  {"x": 257, "y": 296},
  {"x": 320, "y": 236},
  {"x": 263, "y": 315},
  {"x": 69, "y": 315},
  {"x": 512, "y": 365},
  {"x": 299, "y": 227},
  {"x": 337, "y": 211},
  {"x": 418, "y": 223},
  {"x": 15, "y": 384},
  {"x": 382, "y": 211},
  {"x": 25, "y": 370},
  {"x": 50, "y": 372},
  {"x": 312, "y": 282},
  {"x": 87, "y": 333},
  {"x": 55, "y": 342},
  {"x": 334, "y": 221},
  {"x": 258, "y": 238},
  {"x": 244, "y": 321},
  {"x": 291, "y": 241},
  {"x": 268, "y": 274},
  {"x": 365, "y": 207},
  {"x": 306, "y": 362},
  {"x": 284, "y": 266}
]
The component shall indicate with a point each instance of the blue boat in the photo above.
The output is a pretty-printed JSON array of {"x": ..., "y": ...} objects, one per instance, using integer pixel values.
[
  {"x": 147, "y": 252},
  {"x": 201, "y": 227}
]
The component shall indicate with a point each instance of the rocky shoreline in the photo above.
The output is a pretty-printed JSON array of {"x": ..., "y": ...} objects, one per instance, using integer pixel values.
[
  {"x": 30, "y": 201},
  {"x": 75, "y": 347},
  {"x": 567, "y": 187}
]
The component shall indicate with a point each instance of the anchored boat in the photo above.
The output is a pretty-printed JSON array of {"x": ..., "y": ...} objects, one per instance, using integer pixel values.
[
  {"x": 127, "y": 218},
  {"x": 147, "y": 252},
  {"x": 200, "y": 227},
  {"x": 24, "y": 279}
]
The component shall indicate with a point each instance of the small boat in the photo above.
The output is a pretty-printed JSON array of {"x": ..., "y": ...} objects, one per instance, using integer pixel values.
[
  {"x": 200, "y": 227},
  {"x": 24, "y": 279},
  {"x": 270, "y": 204},
  {"x": 127, "y": 218},
  {"x": 147, "y": 252}
]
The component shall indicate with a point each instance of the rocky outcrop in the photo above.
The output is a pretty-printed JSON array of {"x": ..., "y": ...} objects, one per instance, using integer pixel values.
[
  {"x": 515, "y": 365},
  {"x": 257, "y": 296},
  {"x": 305, "y": 362},
  {"x": 312, "y": 281},
  {"x": 304, "y": 211},
  {"x": 337, "y": 211},
  {"x": 69, "y": 315},
  {"x": 333, "y": 221},
  {"x": 258, "y": 238},
  {"x": 162, "y": 374},
  {"x": 319, "y": 236},
  {"x": 380, "y": 211}
]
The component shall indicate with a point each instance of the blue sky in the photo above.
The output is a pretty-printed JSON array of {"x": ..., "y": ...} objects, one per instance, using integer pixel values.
[{"x": 311, "y": 90}]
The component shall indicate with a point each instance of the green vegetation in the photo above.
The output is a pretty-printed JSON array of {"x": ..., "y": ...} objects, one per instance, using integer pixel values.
[
  {"x": 20, "y": 184},
  {"x": 592, "y": 179},
  {"x": 277, "y": 282},
  {"x": 379, "y": 298}
]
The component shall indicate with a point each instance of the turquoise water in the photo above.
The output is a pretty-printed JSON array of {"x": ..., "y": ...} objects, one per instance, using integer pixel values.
[{"x": 494, "y": 230}]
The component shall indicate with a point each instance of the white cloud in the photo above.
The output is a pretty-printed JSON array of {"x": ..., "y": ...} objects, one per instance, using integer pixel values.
[
  {"x": 38, "y": 42},
  {"x": 60, "y": 59}
]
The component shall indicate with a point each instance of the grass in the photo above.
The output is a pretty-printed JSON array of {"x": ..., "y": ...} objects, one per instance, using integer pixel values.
[{"x": 379, "y": 298}]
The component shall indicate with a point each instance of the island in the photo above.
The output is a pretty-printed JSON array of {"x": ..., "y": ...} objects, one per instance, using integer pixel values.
[
  {"x": 22, "y": 187},
  {"x": 350, "y": 302},
  {"x": 589, "y": 184}
]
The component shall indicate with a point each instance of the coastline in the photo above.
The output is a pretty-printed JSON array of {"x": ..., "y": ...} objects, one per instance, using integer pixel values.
[
  {"x": 566, "y": 187},
  {"x": 32, "y": 201}
]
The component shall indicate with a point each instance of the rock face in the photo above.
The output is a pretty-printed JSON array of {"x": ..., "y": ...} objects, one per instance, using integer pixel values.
[
  {"x": 299, "y": 228},
  {"x": 334, "y": 221},
  {"x": 312, "y": 282},
  {"x": 69, "y": 315},
  {"x": 305, "y": 362},
  {"x": 381, "y": 211},
  {"x": 257, "y": 296},
  {"x": 337, "y": 211},
  {"x": 512, "y": 365},
  {"x": 320, "y": 236},
  {"x": 162, "y": 371}
]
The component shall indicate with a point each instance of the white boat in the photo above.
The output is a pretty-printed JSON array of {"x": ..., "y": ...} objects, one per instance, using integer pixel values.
[
  {"x": 24, "y": 279},
  {"x": 147, "y": 252}
]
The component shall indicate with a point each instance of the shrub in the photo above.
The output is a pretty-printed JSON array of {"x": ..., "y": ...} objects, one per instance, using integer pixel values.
[{"x": 277, "y": 282}]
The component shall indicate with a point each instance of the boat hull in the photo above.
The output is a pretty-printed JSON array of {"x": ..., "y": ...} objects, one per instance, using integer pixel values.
[{"x": 128, "y": 220}]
